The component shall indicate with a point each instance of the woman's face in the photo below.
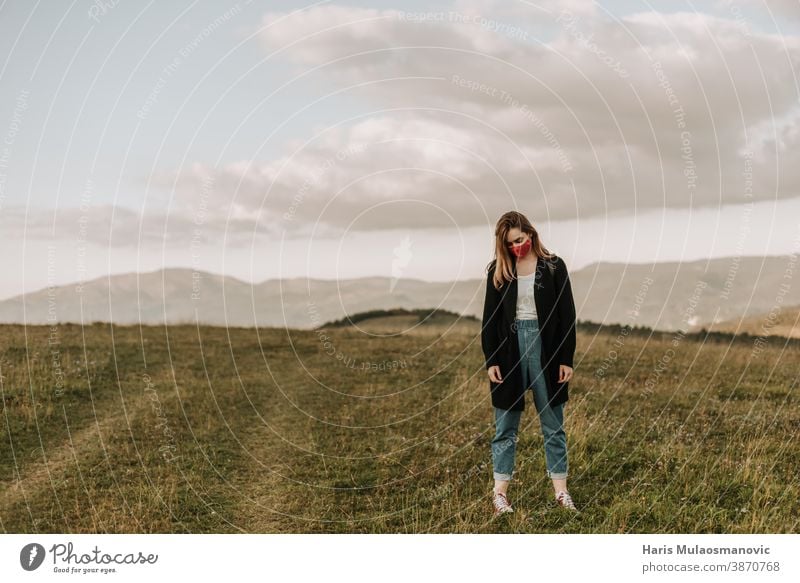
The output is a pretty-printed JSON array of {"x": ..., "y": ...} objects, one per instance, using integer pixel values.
[{"x": 515, "y": 237}]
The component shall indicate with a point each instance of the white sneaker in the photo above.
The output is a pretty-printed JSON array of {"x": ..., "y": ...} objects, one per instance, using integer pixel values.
[
  {"x": 565, "y": 500},
  {"x": 501, "y": 504}
]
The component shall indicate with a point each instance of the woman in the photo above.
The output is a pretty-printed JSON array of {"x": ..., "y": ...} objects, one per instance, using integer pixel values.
[{"x": 528, "y": 339}]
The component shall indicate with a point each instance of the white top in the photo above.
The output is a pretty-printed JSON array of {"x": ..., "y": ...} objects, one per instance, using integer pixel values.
[{"x": 526, "y": 307}]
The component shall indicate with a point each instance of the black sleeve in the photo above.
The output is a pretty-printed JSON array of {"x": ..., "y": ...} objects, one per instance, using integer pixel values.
[
  {"x": 491, "y": 309},
  {"x": 565, "y": 307}
]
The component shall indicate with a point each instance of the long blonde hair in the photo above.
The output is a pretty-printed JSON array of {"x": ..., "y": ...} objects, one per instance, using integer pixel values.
[{"x": 502, "y": 256}]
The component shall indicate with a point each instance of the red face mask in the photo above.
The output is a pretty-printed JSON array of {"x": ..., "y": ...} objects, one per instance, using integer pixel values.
[{"x": 522, "y": 249}]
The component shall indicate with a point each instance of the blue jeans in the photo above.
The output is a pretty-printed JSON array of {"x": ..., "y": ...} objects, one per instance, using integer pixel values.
[{"x": 551, "y": 418}]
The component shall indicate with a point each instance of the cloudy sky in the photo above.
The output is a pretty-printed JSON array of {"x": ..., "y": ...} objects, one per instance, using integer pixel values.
[{"x": 332, "y": 140}]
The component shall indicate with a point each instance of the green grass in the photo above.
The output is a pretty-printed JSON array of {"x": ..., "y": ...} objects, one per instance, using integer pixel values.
[{"x": 269, "y": 430}]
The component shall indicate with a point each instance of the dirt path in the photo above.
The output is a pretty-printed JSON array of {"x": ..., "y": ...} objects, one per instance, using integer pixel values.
[{"x": 54, "y": 464}]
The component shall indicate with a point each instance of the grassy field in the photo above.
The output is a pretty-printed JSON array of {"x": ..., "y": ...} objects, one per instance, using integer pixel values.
[{"x": 186, "y": 429}]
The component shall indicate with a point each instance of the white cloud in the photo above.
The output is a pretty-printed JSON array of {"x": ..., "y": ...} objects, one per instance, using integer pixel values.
[
  {"x": 608, "y": 117},
  {"x": 778, "y": 8},
  {"x": 116, "y": 226}
]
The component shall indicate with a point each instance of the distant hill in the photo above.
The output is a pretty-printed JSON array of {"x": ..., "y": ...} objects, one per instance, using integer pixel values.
[
  {"x": 185, "y": 296},
  {"x": 666, "y": 296},
  {"x": 784, "y": 322},
  {"x": 402, "y": 321}
]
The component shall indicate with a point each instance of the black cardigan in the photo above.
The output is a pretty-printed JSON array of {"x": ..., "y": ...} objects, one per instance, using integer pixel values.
[{"x": 555, "y": 308}]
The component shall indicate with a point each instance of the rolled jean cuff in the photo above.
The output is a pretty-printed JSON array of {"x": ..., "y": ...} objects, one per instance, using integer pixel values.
[
  {"x": 557, "y": 475},
  {"x": 502, "y": 477}
]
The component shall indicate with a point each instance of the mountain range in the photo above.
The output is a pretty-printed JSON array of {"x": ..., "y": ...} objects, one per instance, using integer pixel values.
[{"x": 664, "y": 295}]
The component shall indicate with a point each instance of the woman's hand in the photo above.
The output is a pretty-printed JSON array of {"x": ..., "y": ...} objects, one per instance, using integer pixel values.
[
  {"x": 494, "y": 374},
  {"x": 564, "y": 373}
]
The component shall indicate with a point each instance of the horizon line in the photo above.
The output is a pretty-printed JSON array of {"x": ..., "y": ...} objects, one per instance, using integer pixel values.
[{"x": 270, "y": 279}]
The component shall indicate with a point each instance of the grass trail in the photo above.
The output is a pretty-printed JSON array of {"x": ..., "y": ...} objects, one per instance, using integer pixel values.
[{"x": 243, "y": 430}]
